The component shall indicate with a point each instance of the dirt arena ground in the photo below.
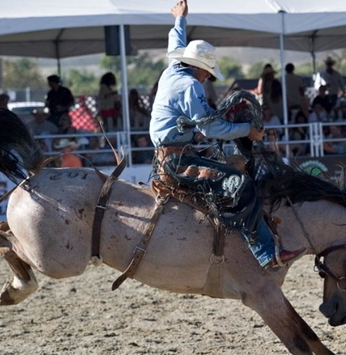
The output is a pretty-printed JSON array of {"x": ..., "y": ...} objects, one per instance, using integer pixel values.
[{"x": 82, "y": 316}]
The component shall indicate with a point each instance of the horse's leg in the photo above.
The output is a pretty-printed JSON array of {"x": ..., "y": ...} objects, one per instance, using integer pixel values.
[
  {"x": 23, "y": 283},
  {"x": 285, "y": 322}
]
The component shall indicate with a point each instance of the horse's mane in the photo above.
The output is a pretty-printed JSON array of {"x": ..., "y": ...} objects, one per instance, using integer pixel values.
[
  {"x": 275, "y": 180},
  {"x": 15, "y": 136},
  {"x": 280, "y": 181}
]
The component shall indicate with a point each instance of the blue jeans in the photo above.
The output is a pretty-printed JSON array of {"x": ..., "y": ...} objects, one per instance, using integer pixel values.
[{"x": 263, "y": 245}]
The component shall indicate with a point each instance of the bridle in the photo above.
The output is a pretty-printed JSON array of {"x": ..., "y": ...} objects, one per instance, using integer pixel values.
[
  {"x": 324, "y": 271},
  {"x": 320, "y": 266}
]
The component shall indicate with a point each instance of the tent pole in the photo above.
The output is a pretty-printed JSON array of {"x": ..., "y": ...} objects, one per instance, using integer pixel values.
[
  {"x": 57, "y": 49},
  {"x": 124, "y": 94},
  {"x": 313, "y": 55},
  {"x": 283, "y": 76},
  {"x": 59, "y": 66},
  {"x": 57, "y": 57},
  {"x": 312, "y": 51}
]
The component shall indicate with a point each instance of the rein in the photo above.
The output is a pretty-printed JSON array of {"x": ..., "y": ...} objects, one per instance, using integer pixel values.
[
  {"x": 324, "y": 270},
  {"x": 306, "y": 233}
]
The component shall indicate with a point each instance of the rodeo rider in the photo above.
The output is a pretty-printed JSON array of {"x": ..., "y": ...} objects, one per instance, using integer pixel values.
[{"x": 181, "y": 93}]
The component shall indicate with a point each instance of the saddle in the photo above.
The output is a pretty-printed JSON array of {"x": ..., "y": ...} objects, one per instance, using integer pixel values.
[
  {"x": 179, "y": 184},
  {"x": 169, "y": 186}
]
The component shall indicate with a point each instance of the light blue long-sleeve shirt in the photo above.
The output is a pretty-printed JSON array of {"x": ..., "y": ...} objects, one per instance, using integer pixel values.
[{"x": 181, "y": 94}]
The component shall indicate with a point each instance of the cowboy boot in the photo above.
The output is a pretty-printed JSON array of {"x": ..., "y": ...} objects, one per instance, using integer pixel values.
[{"x": 262, "y": 245}]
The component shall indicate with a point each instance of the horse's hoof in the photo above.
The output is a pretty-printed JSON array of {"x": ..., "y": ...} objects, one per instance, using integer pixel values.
[
  {"x": 10, "y": 295},
  {"x": 5, "y": 298}
]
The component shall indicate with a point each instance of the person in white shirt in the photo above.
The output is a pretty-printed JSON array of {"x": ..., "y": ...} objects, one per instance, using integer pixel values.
[
  {"x": 332, "y": 79},
  {"x": 269, "y": 119},
  {"x": 318, "y": 114},
  {"x": 294, "y": 88}
]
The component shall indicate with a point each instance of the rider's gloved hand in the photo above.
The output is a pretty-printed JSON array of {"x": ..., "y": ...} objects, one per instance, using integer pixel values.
[{"x": 255, "y": 134}]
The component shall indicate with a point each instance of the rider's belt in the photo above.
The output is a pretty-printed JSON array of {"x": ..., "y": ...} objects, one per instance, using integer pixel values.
[{"x": 163, "y": 152}]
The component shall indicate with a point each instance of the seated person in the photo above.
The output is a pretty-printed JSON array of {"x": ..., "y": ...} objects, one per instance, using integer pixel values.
[
  {"x": 269, "y": 119},
  {"x": 67, "y": 159},
  {"x": 139, "y": 115},
  {"x": 41, "y": 127},
  {"x": 337, "y": 147},
  {"x": 100, "y": 155},
  {"x": 230, "y": 195},
  {"x": 145, "y": 154},
  {"x": 65, "y": 125},
  {"x": 299, "y": 134},
  {"x": 318, "y": 114},
  {"x": 340, "y": 109},
  {"x": 323, "y": 99}
]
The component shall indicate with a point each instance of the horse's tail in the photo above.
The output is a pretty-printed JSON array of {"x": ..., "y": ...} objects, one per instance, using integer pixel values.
[{"x": 18, "y": 149}]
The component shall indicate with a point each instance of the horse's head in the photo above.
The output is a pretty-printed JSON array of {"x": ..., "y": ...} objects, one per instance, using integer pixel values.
[{"x": 333, "y": 270}]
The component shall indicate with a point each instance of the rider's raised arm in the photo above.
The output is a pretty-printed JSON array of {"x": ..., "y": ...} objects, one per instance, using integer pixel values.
[{"x": 177, "y": 35}]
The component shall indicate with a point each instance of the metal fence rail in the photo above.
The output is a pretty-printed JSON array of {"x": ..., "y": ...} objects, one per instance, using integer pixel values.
[{"x": 316, "y": 140}]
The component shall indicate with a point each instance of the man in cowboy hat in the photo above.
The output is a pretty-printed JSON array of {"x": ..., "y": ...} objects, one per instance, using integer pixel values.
[
  {"x": 67, "y": 158},
  {"x": 181, "y": 93},
  {"x": 332, "y": 79}
]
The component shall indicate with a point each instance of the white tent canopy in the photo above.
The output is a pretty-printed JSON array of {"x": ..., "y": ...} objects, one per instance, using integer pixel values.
[
  {"x": 44, "y": 28},
  {"x": 65, "y": 28}
]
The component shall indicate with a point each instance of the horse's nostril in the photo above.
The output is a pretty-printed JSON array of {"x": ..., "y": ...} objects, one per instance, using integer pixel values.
[{"x": 327, "y": 310}]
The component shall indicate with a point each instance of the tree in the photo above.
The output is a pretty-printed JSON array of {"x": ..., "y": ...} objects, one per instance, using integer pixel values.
[
  {"x": 256, "y": 69},
  {"x": 142, "y": 70},
  {"x": 22, "y": 73},
  {"x": 81, "y": 82},
  {"x": 305, "y": 69},
  {"x": 231, "y": 69}
]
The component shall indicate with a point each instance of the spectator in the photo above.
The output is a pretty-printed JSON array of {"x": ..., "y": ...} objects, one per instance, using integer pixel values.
[
  {"x": 99, "y": 156},
  {"x": 4, "y": 100},
  {"x": 264, "y": 86},
  {"x": 340, "y": 109},
  {"x": 318, "y": 114},
  {"x": 41, "y": 127},
  {"x": 109, "y": 102},
  {"x": 59, "y": 99},
  {"x": 145, "y": 155},
  {"x": 338, "y": 147},
  {"x": 139, "y": 115},
  {"x": 332, "y": 79},
  {"x": 65, "y": 125},
  {"x": 323, "y": 99},
  {"x": 299, "y": 134},
  {"x": 67, "y": 158},
  {"x": 294, "y": 88},
  {"x": 275, "y": 100},
  {"x": 305, "y": 107},
  {"x": 270, "y": 119}
]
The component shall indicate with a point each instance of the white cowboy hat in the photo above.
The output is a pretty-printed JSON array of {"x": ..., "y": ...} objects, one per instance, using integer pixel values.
[
  {"x": 63, "y": 143},
  {"x": 199, "y": 54}
]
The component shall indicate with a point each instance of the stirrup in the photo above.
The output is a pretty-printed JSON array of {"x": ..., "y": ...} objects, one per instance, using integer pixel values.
[{"x": 277, "y": 255}]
